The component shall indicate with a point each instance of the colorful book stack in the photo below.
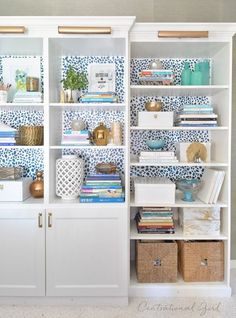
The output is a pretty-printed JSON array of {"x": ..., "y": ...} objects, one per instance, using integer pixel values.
[
  {"x": 102, "y": 188},
  {"x": 157, "y": 157},
  {"x": 7, "y": 135},
  {"x": 157, "y": 220},
  {"x": 28, "y": 97},
  {"x": 165, "y": 77},
  {"x": 99, "y": 97},
  {"x": 196, "y": 115},
  {"x": 76, "y": 138}
]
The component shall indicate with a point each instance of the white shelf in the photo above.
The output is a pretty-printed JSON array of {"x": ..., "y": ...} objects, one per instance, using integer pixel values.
[
  {"x": 178, "y": 90},
  {"x": 28, "y": 106},
  {"x": 87, "y": 147},
  {"x": 179, "y": 128},
  {"x": 30, "y": 202},
  {"x": 180, "y": 164},
  {"x": 178, "y": 235},
  {"x": 76, "y": 202},
  {"x": 180, "y": 288},
  {"x": 179, "y": 203},
  {"x": 21, "y": 147},
  {"x": 87, "y": 106}
]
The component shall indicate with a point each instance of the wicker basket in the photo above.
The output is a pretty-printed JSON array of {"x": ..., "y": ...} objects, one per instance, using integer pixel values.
[
  {"x": 201, "y": 261},
  {"x": 31, "y": 135},
  {"x": 156, "y": 261}
]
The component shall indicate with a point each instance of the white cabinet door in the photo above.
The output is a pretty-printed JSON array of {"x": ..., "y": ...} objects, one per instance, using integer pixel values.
[
  {"x": 87, "y": 251},
  {"x": 22, "y": 251}
]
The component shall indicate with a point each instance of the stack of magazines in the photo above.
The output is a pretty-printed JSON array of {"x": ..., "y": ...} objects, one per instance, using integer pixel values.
[
  {"x": 7, "y": 135},
  {"x": 196, "y": 115},
  {"x": 102, "y": 188},
  {"x": 28, "y": 97},
  {"x": 151, "y": 157},
  {"x": 161, "y": 77},
  {"x": 157, "y": 220},
  {"x": 76, "y": 138},
  {"x": 99, "y": 97}
]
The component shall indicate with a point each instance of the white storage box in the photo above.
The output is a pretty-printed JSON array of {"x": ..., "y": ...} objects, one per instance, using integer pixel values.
[
  {"x": 200, "y": 221},
  {"x": 156, "y": 119},
  {"x": 183, "y": 155},
  {"x": 15, "y": 190},
  {"x": 153, "y": 191}
]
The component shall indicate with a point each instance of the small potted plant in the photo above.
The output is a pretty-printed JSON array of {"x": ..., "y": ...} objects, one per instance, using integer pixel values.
[{"x": 74, "y": 81}]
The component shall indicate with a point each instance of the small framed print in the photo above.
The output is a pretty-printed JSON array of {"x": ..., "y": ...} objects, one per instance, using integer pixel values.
[{"x": 101, "y": 77}]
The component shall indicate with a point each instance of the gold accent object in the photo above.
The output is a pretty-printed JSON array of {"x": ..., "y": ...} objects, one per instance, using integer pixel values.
[
  {"x": 49, "y": 219},
  {"x": 32, "y": 84},
  {"x": 183, "y": 34},
  {"x": 83, "y": 30},
  {"x": 101, "y": 135},
  {"x": 12, "y": 29},
  {"x": 10, "y": 173},
  {"x": 31, "y": 135},
  {"x": 153, "y": 106},
  {"x": 105, "y": 168},
  {"x": 37, "y": 186},
  {"x": 196, "y": 152},
  {"x": 40, "y": 223}
]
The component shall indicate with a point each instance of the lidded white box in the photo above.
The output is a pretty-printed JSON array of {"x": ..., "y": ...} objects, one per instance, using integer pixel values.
[
  {"x": 153, "y": 191},
  {"x": 186, "y": 151},
  {"x": 200, "y": 221},
  {"x": 15, "y": 190},
  {"x": 155, "y": 119}
]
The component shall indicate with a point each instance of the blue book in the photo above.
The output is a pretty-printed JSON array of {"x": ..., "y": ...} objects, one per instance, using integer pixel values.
[
  {"x": 7, "y": 144},
  {"x": 108, "y": 187},
  {"x": 101, "y": 200}
]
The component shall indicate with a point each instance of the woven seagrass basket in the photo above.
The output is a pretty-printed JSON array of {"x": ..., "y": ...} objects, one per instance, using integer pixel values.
[
  {"x": 201, "y": 261},
  {"x": 156, "y": 262},
  {"x": 31, "y": 135}
]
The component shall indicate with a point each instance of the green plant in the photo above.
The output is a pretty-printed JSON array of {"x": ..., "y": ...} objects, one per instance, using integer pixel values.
[{"x": 74, "y": 80}]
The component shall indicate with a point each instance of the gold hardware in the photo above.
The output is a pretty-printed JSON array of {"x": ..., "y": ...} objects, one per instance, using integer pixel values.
[
  {"x": 183, "y": 34},
  {"x": 49, "y": 219},
  {"x": 100, "y": 135},
  {"x": 12, "y": 29},
  {"x": 40, "y": 222},
  {"x": 83, "y": 30},
  {"x": 1, "y": 186}
]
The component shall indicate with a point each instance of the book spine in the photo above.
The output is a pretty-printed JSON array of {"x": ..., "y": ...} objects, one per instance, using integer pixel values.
[{"x": 101, "y": 200}]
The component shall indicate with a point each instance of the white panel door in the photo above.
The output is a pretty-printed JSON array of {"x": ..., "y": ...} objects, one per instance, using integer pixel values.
[
  {"x": 22, "y": 251},
  {"x": 87, "y": 251}
]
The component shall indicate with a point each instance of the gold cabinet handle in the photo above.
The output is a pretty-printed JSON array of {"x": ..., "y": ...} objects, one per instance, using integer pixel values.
[
  {"x": 12, "y": 29},
  {"x": 83, "y": 30},
  {"x": 183, "y": 34},
  {"x": 49, "y": 219},
  {"x": 40, "y": 220}
]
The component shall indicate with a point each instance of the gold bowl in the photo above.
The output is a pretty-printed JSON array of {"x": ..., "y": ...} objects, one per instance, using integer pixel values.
[{"x": 153, "y": 106}]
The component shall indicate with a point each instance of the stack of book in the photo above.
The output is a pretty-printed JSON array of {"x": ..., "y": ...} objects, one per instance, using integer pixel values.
[
  {"x": 76, "y": 138},
  {"x": 7, "y": 135},
  {"x": 157, "y": 157},
  {"x": 164, "y": 77},
  {"x": 102, "y": 188},
  {"x": 212, "y": 181},
  {"x": 28, "y": 97},
  {"x": 99, "y": 97},
  {"x": 159, "y": 220},
  {"x": 196, "y": 115}
]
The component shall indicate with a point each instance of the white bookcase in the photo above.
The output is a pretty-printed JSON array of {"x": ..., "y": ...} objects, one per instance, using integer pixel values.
[
  {"x": 145, "y": 47},
  {"x": 67, "y": 248}
]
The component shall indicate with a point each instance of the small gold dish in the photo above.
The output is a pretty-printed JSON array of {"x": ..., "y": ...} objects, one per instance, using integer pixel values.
[{"x": 153, "y": 106}]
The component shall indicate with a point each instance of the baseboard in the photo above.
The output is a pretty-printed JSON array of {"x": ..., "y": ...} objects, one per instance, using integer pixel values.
[{"x": 233, "y": 263}]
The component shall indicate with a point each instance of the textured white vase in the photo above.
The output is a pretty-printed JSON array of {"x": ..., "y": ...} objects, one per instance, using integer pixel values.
[{"x": 69, "y": 176}]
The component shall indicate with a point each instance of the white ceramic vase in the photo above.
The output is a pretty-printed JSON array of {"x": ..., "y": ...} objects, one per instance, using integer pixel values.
[{"x": 69, "y": 176}]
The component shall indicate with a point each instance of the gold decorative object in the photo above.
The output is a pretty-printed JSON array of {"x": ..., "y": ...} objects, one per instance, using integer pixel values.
[
  {"x": 32, "y": 84},
  {"x": 183, "y": 34},
  {"x": 196, "y": 152},
  {"x": 12, "y": 29},
  {"x": 31, "y": 135},
  {"x": 83, "y": 30},
  {"x": 116, "y": 134},
  {"x": 101, "y": 135},
  {"x": 37, "y": 186},
  {"x": 105, "y": 167},
  {"x": 153, "y": 106}
]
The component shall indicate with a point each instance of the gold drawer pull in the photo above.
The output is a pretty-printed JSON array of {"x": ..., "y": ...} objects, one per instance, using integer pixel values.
[
  {"x": 49, "y": 219},
  {"x": 12, "y": 29},
  {"x": 183, "y": 34},
  {"x": 40, "y": 221},
  {"x": 83, "y": 30}
]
